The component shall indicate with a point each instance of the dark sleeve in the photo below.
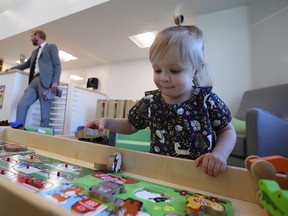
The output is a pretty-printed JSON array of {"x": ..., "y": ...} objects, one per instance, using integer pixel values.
[
  {"x": 139, "y": 114},
  {"x": 219, "y": 113},
  {"x": 23, "y": 66}
]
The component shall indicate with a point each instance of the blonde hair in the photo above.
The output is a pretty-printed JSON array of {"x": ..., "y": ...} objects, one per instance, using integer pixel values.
[{"x": 190, "y": 42}]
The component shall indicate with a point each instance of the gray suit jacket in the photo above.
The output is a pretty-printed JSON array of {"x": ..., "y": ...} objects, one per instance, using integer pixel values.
[{"x": 49, "y": 65}]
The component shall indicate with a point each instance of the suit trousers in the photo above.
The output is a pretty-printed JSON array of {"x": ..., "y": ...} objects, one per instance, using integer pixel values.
[{"x": 31, "y": 94}]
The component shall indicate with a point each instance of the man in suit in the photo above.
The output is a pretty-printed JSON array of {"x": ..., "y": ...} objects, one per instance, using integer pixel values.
[{"x": 45, "y": 72}]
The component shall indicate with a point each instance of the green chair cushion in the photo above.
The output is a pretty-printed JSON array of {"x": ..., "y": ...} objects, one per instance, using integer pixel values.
[
  {"x": 139, "y": 141},
  {"x": 239, "y": 125},
  {"x": 134, "y": 145}
]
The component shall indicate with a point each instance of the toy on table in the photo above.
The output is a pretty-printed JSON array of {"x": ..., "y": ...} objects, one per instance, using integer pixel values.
[
  {"x": 87, "y": 133},
  {"x": 272, "y": 198},
  {"x": 127, "y": 207},
  {"x": 113, "y": 164},
  {"x": 197, "y": 205},
  {"x": 106, "y": 191},
  {"x": 10, "y": 147},
  {"x": 270, "y": 167}
]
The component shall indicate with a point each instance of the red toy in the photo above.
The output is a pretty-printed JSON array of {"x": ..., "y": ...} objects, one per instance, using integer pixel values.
[{"x": 270, "y": 167}]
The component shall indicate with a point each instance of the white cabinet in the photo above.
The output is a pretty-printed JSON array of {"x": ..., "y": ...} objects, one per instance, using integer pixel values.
[{"x": 75, "y": 108}]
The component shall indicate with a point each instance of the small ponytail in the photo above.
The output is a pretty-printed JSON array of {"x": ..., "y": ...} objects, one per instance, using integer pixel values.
[{"x": 179, "y": 20}]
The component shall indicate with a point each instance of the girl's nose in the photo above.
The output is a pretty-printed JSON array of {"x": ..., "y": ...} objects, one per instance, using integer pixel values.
[{"x": 164, "y": 77}]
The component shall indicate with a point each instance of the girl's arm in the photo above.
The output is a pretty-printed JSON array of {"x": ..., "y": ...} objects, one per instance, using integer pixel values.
[
  {"x": 226, "y": 139},
  {"x": 118, "y": 125},
  {"x": 216, "y": 162}
]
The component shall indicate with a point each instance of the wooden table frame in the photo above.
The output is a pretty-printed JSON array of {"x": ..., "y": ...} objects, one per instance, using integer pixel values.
[{"x": 171, "y": 171}]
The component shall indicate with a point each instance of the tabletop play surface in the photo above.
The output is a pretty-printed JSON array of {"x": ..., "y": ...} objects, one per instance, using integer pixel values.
[{"x": 100, "y": 192}]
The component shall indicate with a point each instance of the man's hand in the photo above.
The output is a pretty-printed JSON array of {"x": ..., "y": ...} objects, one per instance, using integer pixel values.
[{"x": 54, "y": 87}]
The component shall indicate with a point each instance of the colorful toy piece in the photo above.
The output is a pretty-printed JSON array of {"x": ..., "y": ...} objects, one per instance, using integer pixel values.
[
  {"x": 197, "y": 205},
  {"x": 10, "y": 147},
  {"x": 87, "y": 133},
  {"x": 31, "y": 181},
  {"x": 106, "y": 191},
  {"x": 272, "y": 198},
  {"x": 113, "y": 164},
  {"x": 129, "y": 207},
  {"x": 270, "y": 167}
]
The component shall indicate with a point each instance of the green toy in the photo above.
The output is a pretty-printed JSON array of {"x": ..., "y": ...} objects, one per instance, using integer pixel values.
[{"x": 273, "y": 198}]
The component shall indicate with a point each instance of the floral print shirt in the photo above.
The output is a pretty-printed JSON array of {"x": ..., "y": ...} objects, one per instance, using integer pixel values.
[{"x": 185, "y": 130}]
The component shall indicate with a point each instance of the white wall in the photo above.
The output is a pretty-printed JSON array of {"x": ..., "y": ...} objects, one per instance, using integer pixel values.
[
  {"x": 227, "y": 45},
  {"x": 125, "y": 80},
  {"x": 269, "y": 44}
]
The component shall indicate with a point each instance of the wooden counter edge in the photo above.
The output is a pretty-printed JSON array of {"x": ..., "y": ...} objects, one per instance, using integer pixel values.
[
  {"x": 168, "y": 169},
  {"x": 16, "y": 200}
]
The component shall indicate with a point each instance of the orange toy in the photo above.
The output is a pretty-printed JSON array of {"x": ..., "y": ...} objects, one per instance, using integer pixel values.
[{"x": 270, "y": 167}]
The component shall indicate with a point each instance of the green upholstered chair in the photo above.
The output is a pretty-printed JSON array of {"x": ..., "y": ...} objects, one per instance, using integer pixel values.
[
  {"x": 139, "y": 141},
  {"x": 261, "y": 124}
]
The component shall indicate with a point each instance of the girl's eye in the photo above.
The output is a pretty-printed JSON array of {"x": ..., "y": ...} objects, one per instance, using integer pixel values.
[
  {"x": 157, "y": 71},
  {"x": 175, "y": 71}
]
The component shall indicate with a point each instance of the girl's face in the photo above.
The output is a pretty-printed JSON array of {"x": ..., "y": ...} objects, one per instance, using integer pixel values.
[{"x": 173, "y": 76}]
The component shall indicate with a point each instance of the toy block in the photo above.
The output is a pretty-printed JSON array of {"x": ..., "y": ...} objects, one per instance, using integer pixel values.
[
  {"x": 106, "y": 191},
  {"x": 113, "y": 164},
  {"x": 9, "y": 147},
  {"x": 87, "y": 133},
  {"x": 128, "y": 206},
  {"x": 198, "y": 205}
]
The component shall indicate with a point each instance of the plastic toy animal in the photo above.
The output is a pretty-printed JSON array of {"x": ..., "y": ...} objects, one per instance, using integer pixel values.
[{"x": 272, "y": 198}]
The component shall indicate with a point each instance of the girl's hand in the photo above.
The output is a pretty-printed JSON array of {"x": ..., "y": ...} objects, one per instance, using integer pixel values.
[
  {"x": 213, "y": 163},
  {"x": 97, "y": 124}
]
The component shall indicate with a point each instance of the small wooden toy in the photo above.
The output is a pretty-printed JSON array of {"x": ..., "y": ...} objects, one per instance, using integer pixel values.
[
  {"x": 106, "y": 191},
  {"x": 198, "y": 205},
  {"x": 129, "y": 207},
  {"x": 9, "y": 147},
  {"x": 87, "y": 133},
  {"x": 114, "y": 163},
  {"x": 31, "y": 181},
  {"x": 270, "y": 167},
  {"x": 272, "y": 198}
]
